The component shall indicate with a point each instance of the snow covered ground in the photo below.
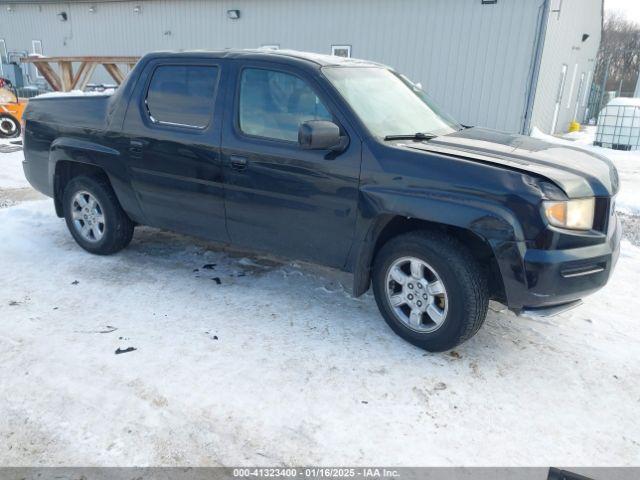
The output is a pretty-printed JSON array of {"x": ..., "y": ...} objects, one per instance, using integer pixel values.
[
  {"x": 274, "y": 363},
  {"x": 11, "y": 173}
]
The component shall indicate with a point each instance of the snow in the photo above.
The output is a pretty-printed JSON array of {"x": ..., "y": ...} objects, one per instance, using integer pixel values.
[
  {"x": 627, "y": 164},
  {"x": 11, "y": 172},
  {"x": 77, "y": 93},
  {"x": 624, "y": 101},
  {"x": 279, "y": 365}
]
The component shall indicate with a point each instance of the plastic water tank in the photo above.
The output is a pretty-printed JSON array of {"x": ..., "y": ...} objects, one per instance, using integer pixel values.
[{"x": 619, "y": 125}]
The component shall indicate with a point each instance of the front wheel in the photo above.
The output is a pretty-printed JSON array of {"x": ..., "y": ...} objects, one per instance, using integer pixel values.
[
  {"x": 9, "y": 126},
  {"x": 430, "y": 290},
  {"x": 94, "y": 216}
]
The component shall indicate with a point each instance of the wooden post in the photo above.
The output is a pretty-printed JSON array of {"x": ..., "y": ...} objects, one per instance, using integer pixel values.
[
  {"x": 66, "y": 70},
  {"x": 113, "y": 70},
  {"x": 83, "y": 75},
  {"x": 49, "y": 75}
]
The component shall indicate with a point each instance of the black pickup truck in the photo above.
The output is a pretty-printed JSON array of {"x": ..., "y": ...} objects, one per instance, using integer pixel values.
[{"x": 340, "y": 162}]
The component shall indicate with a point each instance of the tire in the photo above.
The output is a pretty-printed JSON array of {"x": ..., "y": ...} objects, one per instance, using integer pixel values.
[
  {"x": 110, "y": 229},
  {"x": 9, "y": 126},
  {"x": 460, "y": 311}
]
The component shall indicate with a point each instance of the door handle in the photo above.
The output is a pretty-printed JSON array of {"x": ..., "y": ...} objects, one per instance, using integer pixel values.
[
  {"x": 136, "y": 146},
  {"x": 238, "y": 163}
]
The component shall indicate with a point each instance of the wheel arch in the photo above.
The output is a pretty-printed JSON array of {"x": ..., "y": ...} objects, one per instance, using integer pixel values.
[
  {"x": 70, "y": 157},
  {"x": 387, "y": 226},
  {"x": 64, "y": 171}
]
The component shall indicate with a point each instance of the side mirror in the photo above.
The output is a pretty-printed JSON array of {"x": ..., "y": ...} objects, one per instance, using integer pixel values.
[{"x": 320, "y": 135}]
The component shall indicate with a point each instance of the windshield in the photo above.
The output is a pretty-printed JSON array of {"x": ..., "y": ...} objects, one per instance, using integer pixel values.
[{"x": 387, "y": 104}]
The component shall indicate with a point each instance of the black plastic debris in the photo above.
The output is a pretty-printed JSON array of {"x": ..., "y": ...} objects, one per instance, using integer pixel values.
[
  {"x": 217, "y": 280},
  {"x": 209, "y": 266},
  {"x": 557, "y": 474},
  {"x": 126, "y": 350},
  {"x": 75, "y": 282}
]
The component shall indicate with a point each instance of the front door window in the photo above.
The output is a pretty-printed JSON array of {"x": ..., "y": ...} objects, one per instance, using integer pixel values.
[{"x": 273, "y": 104}]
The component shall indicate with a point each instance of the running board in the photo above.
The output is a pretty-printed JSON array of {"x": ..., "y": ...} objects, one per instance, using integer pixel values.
[{"x": 541, "y": 312}]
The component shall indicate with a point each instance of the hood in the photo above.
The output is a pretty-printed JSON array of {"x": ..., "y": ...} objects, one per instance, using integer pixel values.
[{"x": 577, "y": 172}]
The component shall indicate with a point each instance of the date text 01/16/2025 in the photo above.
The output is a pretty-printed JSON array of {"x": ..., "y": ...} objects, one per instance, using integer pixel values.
[{"x": 365, "y": 472}]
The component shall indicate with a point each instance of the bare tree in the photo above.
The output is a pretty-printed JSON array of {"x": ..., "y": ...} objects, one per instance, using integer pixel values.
[{"x": 618, "y": 59}]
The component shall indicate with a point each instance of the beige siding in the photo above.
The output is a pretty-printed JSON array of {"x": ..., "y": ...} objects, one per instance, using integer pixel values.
[
  {"x": 475, "y": 60},
  {"x": 564, "y": 45}
]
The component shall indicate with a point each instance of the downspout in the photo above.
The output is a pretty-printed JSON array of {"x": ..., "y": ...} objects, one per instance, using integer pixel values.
[{"x": 543, "y": 17}]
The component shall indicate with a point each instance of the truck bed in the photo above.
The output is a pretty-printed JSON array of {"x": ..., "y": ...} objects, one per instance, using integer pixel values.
[{"x": 85, "y": 111}]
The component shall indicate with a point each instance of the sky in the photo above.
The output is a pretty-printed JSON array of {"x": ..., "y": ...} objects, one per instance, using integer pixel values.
[{"x": 630, "y": 8}]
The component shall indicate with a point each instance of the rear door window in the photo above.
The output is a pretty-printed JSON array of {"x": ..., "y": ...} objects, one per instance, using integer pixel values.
[
  {"x": 273, "y": 104},
  {"x": 182, "y": 95}
]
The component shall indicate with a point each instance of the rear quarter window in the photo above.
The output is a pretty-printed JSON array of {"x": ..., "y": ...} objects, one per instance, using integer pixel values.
[{"x": 182, "y": 95}]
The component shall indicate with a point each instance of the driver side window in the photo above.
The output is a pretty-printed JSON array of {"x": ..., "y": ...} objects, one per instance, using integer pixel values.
[{"x": 273, "y": 104}]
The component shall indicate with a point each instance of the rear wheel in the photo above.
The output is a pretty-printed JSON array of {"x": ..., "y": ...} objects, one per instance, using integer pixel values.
[
  {"x": 94, "y": 216},
  {"x": 430, "y": 290},
  {"x": 9, "y": 126}
]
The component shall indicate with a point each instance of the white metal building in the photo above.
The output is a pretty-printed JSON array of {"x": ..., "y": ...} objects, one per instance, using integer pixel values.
[{"x": 505, "y": 64}]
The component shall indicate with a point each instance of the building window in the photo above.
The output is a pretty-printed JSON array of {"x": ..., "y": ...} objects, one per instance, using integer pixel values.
[
  {"x": 559, "y": 93},
  {"x": 578, "y": 95},
  {"x": 585, "y": 97},
  {"x": 182, "y": 95},
  {"x": 36, "y": 49},
  {"x": 341, "y": 51},
  {"x": 3, "y": 55},
  {"x": 556, "y": 7},
  {"x": 3, "y": 51},
  {"x": 274, "y": 104},
  {"x": 573, "y": 82}
]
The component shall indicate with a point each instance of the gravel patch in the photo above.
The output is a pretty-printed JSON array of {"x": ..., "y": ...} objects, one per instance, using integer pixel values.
[
  {"x": 13, "y": 196},
  {"x": 6, "y": 202},
  {"x": 630, "y": 227}
]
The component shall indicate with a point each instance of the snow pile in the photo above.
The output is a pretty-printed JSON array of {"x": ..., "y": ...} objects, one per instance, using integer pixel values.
[{"x": 627, "y": 163}]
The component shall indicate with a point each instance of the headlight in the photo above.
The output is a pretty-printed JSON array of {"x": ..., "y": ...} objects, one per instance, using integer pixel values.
[{"x": 574, "y": 214}]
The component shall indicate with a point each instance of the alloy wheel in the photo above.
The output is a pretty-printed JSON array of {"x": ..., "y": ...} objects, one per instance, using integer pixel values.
[
  {"x": 88, "y": 216},
  {"x": 416, "y": 294}
]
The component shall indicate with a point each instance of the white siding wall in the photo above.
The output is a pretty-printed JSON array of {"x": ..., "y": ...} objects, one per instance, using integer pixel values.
[
  {"x": 564, "y": 45},
  {"x": 474, "y": 59}
]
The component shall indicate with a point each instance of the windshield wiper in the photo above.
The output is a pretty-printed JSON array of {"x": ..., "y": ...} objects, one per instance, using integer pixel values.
[{"x": 415, "y": 136}]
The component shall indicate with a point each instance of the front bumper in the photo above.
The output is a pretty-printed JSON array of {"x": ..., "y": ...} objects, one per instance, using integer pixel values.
[{"x": 538, "y": 279}]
